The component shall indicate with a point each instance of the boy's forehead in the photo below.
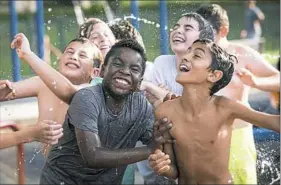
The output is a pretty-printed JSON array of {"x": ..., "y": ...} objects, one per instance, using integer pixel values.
[
  {"x": 127, "y": 54},
  {"x": 201, "y": 45},
  {"x": 189, "y": 21},
  {"x": 87, "y": 47}
]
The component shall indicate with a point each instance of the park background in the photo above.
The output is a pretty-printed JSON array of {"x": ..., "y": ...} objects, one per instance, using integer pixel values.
[{"x": 61, "y": 25}]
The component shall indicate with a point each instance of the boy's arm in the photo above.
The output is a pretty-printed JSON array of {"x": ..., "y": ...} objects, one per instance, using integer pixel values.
[
  {"x": 55, "y": 81},
  {"x": 154, "y": 94},
  {"x": 259, "y": 119},
  {"x": 45, "y": 131},
  {"x": 83, "y": 115},
  {"x": 21, "y": 89},
  {"x": 157, "y": 161},
  {"x": 97, "y": 156},
  {"x": 266, "y": 77}
]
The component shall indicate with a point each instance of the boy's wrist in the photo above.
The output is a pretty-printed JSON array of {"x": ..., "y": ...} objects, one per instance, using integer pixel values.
[{"x": 28, "y": 54}]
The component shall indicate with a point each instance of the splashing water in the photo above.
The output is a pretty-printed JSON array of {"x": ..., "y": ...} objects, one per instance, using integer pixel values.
[{"x": 35, "y": 153}]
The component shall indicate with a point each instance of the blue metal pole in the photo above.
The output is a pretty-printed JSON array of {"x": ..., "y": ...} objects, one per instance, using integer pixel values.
[
  {"x": 40, "y": 27},
  {"x": 164, "y": 41},
  {"x": 135, "y": 12},
  {"x": 13, "y": 32}
]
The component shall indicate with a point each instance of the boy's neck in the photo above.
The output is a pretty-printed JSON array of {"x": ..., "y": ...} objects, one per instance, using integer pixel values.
[
  {"x": 195, "y": 97},
  {"x": 223, "y": 42},
  {"x": 113, "y": 102}
]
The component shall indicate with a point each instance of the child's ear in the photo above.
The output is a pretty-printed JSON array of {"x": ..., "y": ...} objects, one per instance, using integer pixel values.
[
  {"x": 102, "y": 71},
  {"x": 95, "y": 72},
  {"x": 223, "y": 31},
  {"x": 215, "y": 76}
]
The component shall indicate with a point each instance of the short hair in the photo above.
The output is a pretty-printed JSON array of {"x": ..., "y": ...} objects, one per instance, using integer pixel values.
[
  {"x": 97, "y": 58},
  {"x": 206, "y": 30},
  {"x": 86, "y": 28},
  {"x": 214, "y": 14},
  {"x": 221, "y": 61},
  {"x": 127, "y": 43},
  {"x": 123, "y": 29}
]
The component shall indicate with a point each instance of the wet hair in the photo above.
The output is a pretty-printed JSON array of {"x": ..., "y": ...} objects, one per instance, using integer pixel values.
[
  {"x": 123, "y": 29},
  {"x": 221, "y": 61},
  {"x": 97, "y": 58},
  {"x": 127, "y": 43},
  {"x": 214, "y": 14},
  {"x": 87, "y": 27},
  {"x": 206, "y": 30}
]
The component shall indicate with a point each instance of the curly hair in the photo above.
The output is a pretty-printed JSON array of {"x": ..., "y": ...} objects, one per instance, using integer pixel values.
[
  {"x": 123, "y": 29},
  {"x": 86, "y": 28}
]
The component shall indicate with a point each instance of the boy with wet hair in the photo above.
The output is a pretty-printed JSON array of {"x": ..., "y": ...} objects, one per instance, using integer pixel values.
[
  {"x": 123, "y": 29},
  {"x": 251, "y": 71},
  {"x": 75, "y": 69},
  {"x": 103, "y": 124},
  {"x": 202, "y": 121},
  {"x": 98, "y": 32},
  {"x": 189, "y": 27}
]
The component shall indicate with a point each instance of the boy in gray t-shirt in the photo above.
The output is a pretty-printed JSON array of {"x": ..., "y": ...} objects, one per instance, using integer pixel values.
[{"x": 103, "y": 124}]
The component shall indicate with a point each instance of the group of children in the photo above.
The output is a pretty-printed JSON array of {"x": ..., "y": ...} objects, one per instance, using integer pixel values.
[{"x": 103, "y": 121}]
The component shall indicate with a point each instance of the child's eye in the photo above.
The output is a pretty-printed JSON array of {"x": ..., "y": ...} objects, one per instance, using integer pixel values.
[
  {"x": 83, "y": 56},
  {"x": 136, "y": 70},
  {"x": 197, "y": 56}
]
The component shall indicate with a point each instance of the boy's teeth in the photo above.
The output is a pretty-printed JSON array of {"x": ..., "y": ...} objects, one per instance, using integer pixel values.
[{"x": 122, "y": 81}]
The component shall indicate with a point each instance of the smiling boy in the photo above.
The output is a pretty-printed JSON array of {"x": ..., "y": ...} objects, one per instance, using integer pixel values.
[
  {"x": 103, "y": 124},
  {"x": 202, "y": 121}
]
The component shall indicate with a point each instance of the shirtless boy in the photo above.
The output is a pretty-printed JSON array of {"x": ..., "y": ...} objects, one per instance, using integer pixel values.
[
  {"x": 76, "y": 65},
  {"x": 202, "y": 121}
]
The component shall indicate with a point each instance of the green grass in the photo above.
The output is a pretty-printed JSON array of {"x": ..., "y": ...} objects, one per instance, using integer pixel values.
[{"x": 64, "y": 28}]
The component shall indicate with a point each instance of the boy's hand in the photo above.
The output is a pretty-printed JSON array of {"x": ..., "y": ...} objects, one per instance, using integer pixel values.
[
  {"x": 48, "y": 132},
  {"x": 159, "y": 162},
  {"x": 246, "y": 77},
  {"x": 161, "y": 132},
  {"x": 21, "y": 44},
  {"x": 6, "y": 90}
]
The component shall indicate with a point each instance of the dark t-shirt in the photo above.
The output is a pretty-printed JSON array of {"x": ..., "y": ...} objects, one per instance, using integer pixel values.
[
  {"x": 88, "y": 112},
  {"x": 251, "y": 15}
]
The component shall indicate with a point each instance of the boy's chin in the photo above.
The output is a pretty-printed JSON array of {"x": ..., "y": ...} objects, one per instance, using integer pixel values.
[{"x": 181, "y": 81}]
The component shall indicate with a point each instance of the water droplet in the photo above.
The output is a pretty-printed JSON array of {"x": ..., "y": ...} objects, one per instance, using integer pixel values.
[
  {"x": 49, "y": 9},
  {"x": 61, "y": 183},
  {"x": 49, "y": 21},
  {"x": 60, "y": 147}
]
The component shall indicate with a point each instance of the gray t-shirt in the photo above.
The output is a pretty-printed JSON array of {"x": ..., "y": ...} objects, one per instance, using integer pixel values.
[{"x": 88, "y": 112}]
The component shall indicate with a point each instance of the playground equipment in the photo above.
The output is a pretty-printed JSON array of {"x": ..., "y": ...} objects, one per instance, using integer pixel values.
[{"x": 40, "y": 28}]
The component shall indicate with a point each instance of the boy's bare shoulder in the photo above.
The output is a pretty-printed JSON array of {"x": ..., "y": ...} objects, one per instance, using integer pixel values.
[
  {"x": 223, "y": 103},
  {"x": 165, "y": 108}
]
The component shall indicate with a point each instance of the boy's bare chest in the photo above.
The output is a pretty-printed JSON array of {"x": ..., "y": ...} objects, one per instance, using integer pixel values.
[
  {"x": 51, "y": 108},
  {"x": 204, "y": 128}
]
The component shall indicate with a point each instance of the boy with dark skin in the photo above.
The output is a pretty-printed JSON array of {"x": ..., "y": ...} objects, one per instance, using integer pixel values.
[
  {"x": 103, "y": 124},
  {"x": 202, "y": 122}
]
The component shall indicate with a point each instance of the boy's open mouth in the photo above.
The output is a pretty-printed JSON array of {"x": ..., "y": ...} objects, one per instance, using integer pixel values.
[
  {"x": 184, "y": 68},
  {"x": 72, "y": 65},
  {"x": 122, "y": 81},
  {"x": 177, "y": 39}
]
